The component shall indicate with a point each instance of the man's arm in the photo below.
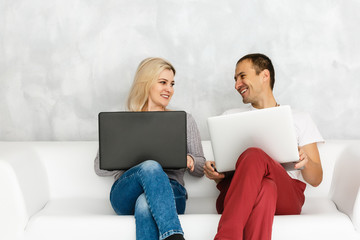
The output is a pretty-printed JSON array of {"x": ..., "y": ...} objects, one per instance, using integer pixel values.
[{"x": 310, "y": 160}]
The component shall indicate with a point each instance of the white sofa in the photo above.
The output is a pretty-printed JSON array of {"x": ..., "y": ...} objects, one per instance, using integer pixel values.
[{"x": 48, "y": 190}]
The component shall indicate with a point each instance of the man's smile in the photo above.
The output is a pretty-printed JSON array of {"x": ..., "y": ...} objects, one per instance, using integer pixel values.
[{"x": 243, "y": 90}]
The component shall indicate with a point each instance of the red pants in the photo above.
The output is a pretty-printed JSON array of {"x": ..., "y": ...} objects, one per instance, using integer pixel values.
[{"x": 259, "y": 189}]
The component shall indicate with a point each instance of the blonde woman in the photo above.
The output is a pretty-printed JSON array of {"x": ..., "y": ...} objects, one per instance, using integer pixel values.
[{"x": 155, "y": 196}]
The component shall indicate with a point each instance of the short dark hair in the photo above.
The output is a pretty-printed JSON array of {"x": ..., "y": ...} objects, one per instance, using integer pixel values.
[{"x": 260, "y": 63}]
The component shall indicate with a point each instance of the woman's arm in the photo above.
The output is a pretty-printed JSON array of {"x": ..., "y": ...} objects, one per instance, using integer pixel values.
[
  {"x": 195, "y": 150},
  {"x": 100, "y": 172}
]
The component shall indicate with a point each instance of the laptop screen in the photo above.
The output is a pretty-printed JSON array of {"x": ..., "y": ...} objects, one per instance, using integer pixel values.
[
  {"x": 129, "y": 138},
  {"x": 271, "y": 129}
]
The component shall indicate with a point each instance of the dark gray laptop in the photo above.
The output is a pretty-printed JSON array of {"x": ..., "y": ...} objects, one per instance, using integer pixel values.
[{"x": 129, "y": 138}]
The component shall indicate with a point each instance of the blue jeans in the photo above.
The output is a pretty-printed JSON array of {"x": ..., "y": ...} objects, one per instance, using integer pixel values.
[{"x": 146, "y": 192}]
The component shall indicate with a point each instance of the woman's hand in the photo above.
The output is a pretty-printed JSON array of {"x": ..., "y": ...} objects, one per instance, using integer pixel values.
[
  {"x": 211, "y": 173},
  {"x": 190, "y": 163}
]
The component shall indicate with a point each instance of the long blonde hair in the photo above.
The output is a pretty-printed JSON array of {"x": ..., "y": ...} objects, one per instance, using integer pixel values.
[{"x": 146, "y": 75}]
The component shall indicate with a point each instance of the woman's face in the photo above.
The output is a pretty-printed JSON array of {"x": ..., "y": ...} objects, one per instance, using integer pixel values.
[{"x": 161, "y": 92}]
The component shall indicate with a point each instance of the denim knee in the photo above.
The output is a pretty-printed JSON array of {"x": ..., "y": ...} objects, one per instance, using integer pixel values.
[{"x": 150, "y": 165}]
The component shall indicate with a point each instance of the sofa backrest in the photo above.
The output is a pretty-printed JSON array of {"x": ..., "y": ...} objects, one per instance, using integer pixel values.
[{"x": 70, "y": 169}]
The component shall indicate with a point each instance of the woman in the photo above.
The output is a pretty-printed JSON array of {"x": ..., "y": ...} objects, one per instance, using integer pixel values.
[{"x": 155, "y": 196}]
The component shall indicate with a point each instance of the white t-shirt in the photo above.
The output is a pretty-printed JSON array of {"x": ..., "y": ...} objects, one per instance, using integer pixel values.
[{"x": 306, "y": 130}]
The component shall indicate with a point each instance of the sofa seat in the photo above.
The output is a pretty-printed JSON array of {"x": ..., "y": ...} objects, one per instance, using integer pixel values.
[
  {"x": 49, "y": 191},
  {"x": 69, "y": 218},
  {"x": 319, "y": 219},
  {"x": 75, "y": 218},
  {"x": 62, "y": 218}
]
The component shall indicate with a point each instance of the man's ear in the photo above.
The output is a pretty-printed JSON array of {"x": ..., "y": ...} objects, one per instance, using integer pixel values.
[{"x": 266, "y": 75}]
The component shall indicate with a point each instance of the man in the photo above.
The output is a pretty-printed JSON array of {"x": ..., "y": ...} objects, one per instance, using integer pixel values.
[{"x": 260, "y": 187}]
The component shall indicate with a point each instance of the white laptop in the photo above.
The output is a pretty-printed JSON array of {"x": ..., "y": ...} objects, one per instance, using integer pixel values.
[{"x": 271, "y": 129}]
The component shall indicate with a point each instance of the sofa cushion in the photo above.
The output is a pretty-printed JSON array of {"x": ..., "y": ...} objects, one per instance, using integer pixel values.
[
  {"x": 77, "y": 218},
  {"x": 81, "y": 218},
  {"x": 335, "y": 225}
]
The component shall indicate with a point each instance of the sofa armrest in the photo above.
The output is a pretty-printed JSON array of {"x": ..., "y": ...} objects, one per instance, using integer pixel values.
[
  {"x": 345, "y": 184},
  {"x": 23, "y": 188},
  {"x": 356, "y": 212}
]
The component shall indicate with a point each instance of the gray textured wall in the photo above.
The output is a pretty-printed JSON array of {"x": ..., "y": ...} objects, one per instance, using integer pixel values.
[{"x": 63, "y": 61}]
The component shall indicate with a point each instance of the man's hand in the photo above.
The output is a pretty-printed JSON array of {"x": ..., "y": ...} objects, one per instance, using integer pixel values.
[
  {"x": 211, "y": 173},
  {"x": 310, "y": 159},
  {"x": 190, "y": 163},
  {"x": 303, "y": 159}
]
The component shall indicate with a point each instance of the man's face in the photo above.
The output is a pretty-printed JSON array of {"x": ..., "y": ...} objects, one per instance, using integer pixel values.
[{"x": 247, "y": 83}]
